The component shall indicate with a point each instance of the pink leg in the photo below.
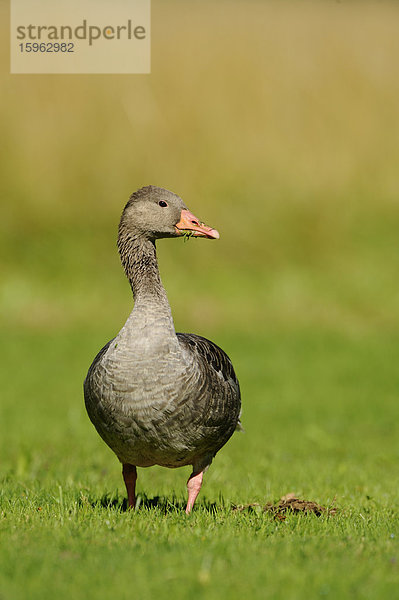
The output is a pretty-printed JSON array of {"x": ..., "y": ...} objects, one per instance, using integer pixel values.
[
  {"x": 130, "y": 476},
  {"x": 193, "y": 486}
]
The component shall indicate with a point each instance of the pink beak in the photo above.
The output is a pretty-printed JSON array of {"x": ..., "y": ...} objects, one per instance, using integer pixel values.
[{"x": 188, "y": 222}]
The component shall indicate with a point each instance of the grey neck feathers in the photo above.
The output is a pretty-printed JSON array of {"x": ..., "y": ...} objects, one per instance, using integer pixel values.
[
  {"x": 151, "y": 307},
  {"x": 139, "y": 259}
]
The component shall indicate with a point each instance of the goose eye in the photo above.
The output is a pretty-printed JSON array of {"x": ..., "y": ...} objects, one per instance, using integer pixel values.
[{"x": 162, "y": 203}]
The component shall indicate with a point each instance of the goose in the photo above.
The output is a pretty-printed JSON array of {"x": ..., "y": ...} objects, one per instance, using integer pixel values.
[{"x": 158, "y": 397}]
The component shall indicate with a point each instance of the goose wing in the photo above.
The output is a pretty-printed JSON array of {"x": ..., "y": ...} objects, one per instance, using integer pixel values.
[{"x": 219, "y": 371}]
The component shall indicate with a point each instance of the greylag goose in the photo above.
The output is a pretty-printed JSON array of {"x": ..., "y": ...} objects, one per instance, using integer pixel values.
[{"x": 158, "y": 397}]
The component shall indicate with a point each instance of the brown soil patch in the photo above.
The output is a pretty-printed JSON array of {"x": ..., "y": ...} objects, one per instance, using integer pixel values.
[{"x": 289, "y": 503}]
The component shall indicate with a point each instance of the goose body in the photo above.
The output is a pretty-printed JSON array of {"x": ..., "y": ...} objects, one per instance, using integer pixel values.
[{"x": 158, "y": 397}]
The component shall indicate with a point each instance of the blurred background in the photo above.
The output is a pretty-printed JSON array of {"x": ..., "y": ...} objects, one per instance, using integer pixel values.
[{"x": 278, "y": 124}]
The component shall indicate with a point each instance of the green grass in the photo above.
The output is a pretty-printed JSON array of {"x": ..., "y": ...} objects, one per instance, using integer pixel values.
[{"x": 320, "y": 413}]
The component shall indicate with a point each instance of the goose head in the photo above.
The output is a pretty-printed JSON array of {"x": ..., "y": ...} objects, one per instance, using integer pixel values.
[{"x": 153, "y": 212}]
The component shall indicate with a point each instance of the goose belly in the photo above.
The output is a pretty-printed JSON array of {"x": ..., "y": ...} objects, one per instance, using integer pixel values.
[{"x": 150, "y": 417}]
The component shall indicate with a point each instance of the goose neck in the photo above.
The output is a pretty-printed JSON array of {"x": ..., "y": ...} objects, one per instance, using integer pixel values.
[{"x": 139, "y": 259}]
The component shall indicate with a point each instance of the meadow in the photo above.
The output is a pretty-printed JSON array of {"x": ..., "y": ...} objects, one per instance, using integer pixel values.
[{"x": 278, "y": 124}]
